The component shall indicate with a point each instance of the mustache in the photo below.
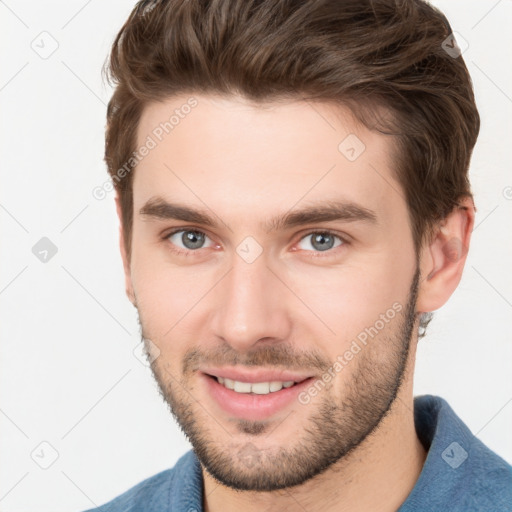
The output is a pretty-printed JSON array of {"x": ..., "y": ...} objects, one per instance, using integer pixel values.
[{"x": 275, "y": 356}]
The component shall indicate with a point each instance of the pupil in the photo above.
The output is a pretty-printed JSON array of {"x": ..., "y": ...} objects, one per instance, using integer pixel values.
[
  {"x": 192, "y": 239},
  {"x": 320, "y": 239}
]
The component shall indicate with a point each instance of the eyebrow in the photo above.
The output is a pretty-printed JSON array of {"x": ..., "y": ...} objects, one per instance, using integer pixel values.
[{"x": 158, "y": 208}]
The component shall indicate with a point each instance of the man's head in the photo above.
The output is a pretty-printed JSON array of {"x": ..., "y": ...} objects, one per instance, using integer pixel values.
[{"x": 293, "y": 192}]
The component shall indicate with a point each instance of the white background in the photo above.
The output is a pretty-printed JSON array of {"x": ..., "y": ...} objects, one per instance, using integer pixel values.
[{"x": 68, "y": 373}]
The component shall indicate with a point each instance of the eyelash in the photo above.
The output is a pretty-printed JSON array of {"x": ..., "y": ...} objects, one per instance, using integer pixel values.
[{"x": 314, "y": 254}]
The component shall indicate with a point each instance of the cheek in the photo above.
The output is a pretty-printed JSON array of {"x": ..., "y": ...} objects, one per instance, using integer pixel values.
[
  {"x": 349, "y": 298},
  {"x": 164, "y": 293},
  {"x": 164, "y": 300}
]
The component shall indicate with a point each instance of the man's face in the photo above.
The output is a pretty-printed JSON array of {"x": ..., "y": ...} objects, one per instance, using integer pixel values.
[{"x": 325, "y": 302}]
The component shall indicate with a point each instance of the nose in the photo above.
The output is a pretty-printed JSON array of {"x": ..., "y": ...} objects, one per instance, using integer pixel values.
[{"x": 251, "y": 306}]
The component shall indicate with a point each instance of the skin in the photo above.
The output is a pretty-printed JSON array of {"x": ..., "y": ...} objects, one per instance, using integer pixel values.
[{"x": 243, "y": 164}]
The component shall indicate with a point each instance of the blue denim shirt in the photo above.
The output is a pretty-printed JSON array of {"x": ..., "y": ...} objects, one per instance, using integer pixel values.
[{"x": 459, "y": 474}]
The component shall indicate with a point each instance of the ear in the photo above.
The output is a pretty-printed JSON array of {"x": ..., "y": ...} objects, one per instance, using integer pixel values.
[
  {"x": 126, "y": 263},
  {"x": 442, "y": 260}
]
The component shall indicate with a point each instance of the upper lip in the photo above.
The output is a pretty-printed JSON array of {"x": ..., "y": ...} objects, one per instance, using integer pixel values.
[{"x": 255, "y": 374}]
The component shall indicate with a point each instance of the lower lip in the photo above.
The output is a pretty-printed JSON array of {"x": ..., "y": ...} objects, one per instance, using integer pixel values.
[{"x": 251, "y": 406}]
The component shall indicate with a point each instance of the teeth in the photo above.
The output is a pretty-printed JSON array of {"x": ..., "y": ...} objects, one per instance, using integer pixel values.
[
  {"x": 242, "y": 387},
  {"x": 259, "y": 388},
  {"x": 275, "y": 386}
]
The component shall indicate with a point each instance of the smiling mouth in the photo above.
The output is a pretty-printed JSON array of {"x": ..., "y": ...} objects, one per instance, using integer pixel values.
[{"x": 256, "y": 388}]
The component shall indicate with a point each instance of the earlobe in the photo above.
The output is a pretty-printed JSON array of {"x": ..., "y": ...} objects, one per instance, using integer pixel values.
[
  {"x": 126, "y": 263},
  {"x": 442, "y": 260}
]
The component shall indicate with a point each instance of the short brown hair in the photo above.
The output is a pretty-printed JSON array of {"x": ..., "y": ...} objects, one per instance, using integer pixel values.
[{"x": 368, "y": 55}]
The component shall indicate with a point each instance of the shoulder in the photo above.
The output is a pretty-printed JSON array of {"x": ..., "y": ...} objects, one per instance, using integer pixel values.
[
  {"x": 460, "y": 473},
  {"x": 167, "y": 490}
]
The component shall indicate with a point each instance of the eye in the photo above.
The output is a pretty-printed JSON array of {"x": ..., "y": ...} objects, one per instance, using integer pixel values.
[
  {"x": 320, "y": 241},
  {"x": 187, "y": 240}
]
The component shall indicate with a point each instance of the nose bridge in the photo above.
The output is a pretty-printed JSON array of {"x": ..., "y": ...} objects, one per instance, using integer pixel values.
[{"x": 251, "y": 304}]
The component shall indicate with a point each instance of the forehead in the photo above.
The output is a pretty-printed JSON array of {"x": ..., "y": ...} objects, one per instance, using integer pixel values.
[{"x": 233, "y": 156}]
